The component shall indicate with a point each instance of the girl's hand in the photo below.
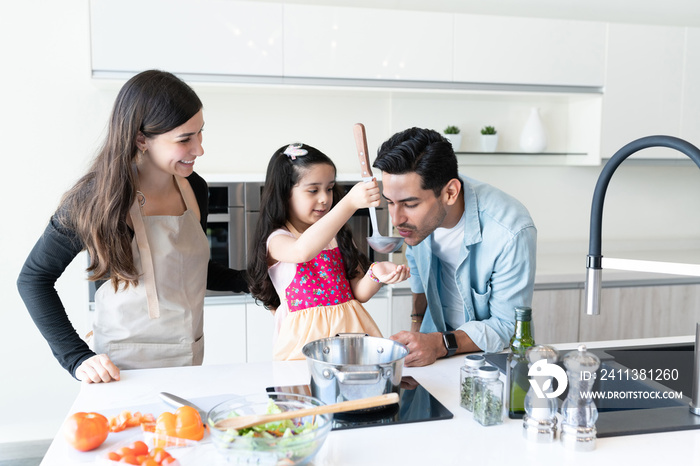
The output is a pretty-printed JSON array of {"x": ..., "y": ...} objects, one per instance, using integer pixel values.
[
  {"x": 390, "y": 273},
  {"x": 364, "y": 194},
  {"x": 96, "y": 369}
]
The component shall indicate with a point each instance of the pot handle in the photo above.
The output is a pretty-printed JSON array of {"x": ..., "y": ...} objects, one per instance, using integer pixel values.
[{"x": 358, "y": 377}]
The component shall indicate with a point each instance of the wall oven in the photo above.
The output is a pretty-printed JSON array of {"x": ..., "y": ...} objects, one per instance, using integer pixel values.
[{"x": 226, "y": 224}]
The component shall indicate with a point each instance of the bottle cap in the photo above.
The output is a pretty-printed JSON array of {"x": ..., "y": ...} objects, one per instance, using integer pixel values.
[
  {"x": 523, "y": 313},
  {"x": 581, "y": 360},
  {"x": 539, "y": 352},
  {"x": 488, "y": 372},
  {"x": 474, "y": 360}
]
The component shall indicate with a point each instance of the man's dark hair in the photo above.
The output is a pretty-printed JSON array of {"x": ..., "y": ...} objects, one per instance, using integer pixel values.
[{"x": 423, "y": 151}]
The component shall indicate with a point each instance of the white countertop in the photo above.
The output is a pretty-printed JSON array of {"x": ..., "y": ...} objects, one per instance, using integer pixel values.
[{"x": 445, "y": 442}]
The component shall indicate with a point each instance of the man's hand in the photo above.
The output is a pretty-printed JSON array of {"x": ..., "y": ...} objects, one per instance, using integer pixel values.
[
  {"x": 98, "y": 368},
  {"x": 423, "y": 348}
]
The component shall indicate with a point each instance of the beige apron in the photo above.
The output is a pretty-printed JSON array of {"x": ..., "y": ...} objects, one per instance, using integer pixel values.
[{"x": 158, "y": 323}]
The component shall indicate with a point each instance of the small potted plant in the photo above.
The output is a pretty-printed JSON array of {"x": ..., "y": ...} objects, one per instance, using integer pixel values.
[
  {"x": 489, "y": 139},
  {"x": 452, "y": 134}
]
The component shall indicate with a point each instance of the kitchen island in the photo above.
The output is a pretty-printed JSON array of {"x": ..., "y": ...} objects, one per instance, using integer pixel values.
[{"x": 441, "y": 442}]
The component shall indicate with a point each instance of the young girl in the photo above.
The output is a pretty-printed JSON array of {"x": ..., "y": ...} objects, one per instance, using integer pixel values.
[
  {"x": 140, "y": 212},
  {"x": 305, "y": 265}
]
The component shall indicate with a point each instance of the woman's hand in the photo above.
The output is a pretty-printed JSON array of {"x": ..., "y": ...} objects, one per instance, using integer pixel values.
[
  {"x": 364, "y": 194},
  {"x": 96, "y": 369},
  {"x": 390, "y": 273}
]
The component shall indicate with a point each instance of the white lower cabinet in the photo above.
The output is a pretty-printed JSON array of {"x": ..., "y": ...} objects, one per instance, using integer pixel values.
[
  {"x": 225, "y": 333},
  {"x": 236, "y": 329},
  {"x": 261, "y": 325},
  {"x": 401, "y": 305},
  {"x": 378, "y": 308}
]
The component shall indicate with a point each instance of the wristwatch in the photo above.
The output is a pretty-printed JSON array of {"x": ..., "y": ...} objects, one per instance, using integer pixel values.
[{"x": 450, "y": 341}]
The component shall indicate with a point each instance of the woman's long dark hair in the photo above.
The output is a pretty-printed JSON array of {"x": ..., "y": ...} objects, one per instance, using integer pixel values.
[
  {"x": 283, "y": 174},
  {"x": 152, "y": 102}
]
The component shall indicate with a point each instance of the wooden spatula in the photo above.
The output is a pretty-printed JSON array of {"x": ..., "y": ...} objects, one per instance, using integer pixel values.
[{"x": 241, "y": 422}]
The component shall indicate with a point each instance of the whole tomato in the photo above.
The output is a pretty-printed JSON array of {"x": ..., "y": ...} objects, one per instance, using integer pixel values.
[{"x": 86, "y": 431}]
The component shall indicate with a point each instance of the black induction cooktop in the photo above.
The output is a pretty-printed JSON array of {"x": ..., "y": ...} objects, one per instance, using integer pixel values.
[{"x": 415, "y": 404}]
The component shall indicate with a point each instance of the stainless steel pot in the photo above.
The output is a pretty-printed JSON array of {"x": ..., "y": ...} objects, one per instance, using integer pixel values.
[{"x": 353, "y": 367}]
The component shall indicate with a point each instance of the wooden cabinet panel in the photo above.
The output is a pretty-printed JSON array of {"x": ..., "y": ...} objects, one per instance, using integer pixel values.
[
  {"x": 555, "y": 314},
  {"x": 643, "y": 312}
]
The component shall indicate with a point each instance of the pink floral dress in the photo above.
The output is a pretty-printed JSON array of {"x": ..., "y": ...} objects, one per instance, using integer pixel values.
[
  {"x": 319, "y": 282},
  {"x": 319, "y": 304}
]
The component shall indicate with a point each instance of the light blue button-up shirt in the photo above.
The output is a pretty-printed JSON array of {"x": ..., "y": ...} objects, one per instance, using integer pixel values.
[{"x": 496, "y": 270}]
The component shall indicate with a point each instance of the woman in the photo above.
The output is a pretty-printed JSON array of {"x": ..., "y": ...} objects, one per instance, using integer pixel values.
[{"x": 140, "y": 212}]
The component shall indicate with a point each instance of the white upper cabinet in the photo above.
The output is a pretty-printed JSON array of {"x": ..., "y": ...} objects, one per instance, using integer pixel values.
[
  {"x": 644, "y": 86},
  {"x": 690, "y": 119},
  {"x": 366, "y": 43},
  {"x": 232, "y": 39},
  {"x": 182, "y": 36},
  {"x": 493, "y": 49}
]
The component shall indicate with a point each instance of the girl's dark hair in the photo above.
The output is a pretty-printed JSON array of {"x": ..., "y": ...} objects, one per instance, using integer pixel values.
[
  {"x": 152, "y": 102},
  {"x": 282, "y": 175},
  {"x": 423, "y": 151}
]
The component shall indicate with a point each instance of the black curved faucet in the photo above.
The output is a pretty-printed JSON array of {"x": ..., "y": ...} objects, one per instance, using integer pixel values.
[{"x": 594, "y": 263}]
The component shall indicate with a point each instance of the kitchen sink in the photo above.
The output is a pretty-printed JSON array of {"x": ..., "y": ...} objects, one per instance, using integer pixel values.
[{"x": 644, "y": 381}]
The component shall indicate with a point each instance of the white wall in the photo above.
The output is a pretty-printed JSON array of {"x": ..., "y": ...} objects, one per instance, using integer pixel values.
[{"x": 53, "y": 117}]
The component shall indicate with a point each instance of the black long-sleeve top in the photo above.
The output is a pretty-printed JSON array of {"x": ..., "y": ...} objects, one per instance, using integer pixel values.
[{"x": 55, "y": 250}]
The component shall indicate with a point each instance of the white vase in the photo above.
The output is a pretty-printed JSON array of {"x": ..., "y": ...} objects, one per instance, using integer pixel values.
[
  {"x": 533, "y": 138},
  {"x": 489, "y": 142},
  {"x": 455, "y": 140}
]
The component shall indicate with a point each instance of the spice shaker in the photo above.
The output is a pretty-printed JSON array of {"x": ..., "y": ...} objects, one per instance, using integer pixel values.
[
  {"x": 472, "y": 363},
  {"x": 579, "y": 412},
  {"x": 488, "y": 396},
  {"x": 540, "y": 419}
]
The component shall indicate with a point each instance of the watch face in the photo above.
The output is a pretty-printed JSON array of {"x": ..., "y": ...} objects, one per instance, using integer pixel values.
[{"x": 450, "y": 342}]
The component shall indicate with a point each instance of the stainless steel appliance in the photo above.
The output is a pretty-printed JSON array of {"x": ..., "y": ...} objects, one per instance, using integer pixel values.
[{"x": 226, "y": 224}]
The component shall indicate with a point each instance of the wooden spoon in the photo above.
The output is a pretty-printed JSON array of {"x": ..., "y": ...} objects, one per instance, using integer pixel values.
[{"x": 241, "y": 422}]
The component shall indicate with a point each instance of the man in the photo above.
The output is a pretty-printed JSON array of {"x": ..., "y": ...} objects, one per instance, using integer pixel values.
[{"x": 471, "y": 249}]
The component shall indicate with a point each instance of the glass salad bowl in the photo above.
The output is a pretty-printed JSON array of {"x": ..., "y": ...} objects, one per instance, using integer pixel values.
[{"x": 287, "y": 442}]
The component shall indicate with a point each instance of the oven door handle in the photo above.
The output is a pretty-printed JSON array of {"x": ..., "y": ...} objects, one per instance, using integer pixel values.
[{"x": 218, "y": 218}]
